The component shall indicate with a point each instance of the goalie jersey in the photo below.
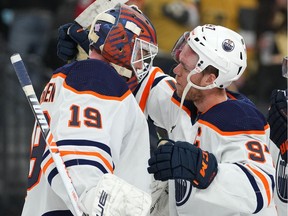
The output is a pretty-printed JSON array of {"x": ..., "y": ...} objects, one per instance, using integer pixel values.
[
  {"x": 234, "y": 131},
  {"x": 98, "y": 127}
]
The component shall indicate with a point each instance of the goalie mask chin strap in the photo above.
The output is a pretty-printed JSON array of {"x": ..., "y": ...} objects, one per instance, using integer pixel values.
[{"x": 122, "y": 71}]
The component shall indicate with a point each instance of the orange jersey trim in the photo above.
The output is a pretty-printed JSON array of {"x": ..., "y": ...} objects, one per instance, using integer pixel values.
[
  {"x": 264, "y": 181},
  {"x": 38, "y": 180},
  {"x": 213, "y": 127},
  {"x": 230, "y": 96},
  {"x": 51, "y": 143},
  {"x": 59, "y": 75},
  {"x": 183, "y": 107},
  {"x": 145, "y": 94},
  {"x": 91, "y": 92},
  {"x": 94, "y": 154}
]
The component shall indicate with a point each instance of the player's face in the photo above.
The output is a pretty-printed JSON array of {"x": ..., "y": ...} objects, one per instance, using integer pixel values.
[
  {"x": 142, "y": 57},
  {"x": 187, "y": 62}
]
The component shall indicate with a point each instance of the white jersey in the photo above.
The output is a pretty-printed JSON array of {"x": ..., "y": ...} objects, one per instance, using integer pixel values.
[
  {"x": 99, "y": 128},
  {"x": 234, "y": 131}
]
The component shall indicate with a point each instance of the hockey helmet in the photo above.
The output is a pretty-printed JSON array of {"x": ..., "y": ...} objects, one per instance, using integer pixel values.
[
  {"x": 218, "y": 46},
  {"x": 126, "y": 38}
]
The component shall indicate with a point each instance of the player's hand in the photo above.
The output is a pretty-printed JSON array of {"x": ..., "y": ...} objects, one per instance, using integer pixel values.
[
  {"x": 182, "y": 160},
  {"x": 277, "y": 119},
  {"x": 69, "y": 36}
]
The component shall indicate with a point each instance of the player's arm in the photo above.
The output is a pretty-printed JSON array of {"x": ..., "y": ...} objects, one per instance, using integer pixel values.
[
  {"x": 71, "y": 35},
  {"x": 157, "y": 99}
]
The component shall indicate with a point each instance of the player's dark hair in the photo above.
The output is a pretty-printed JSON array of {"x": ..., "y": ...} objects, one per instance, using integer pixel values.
[{"x": 211, "y": 70}]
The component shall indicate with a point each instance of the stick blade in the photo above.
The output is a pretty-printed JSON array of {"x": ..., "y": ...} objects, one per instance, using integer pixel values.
[{"x": 87, "y": 16}]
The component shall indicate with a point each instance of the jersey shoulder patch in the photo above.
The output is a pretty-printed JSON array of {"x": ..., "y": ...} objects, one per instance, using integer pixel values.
[{"x": 94, "y": 75}]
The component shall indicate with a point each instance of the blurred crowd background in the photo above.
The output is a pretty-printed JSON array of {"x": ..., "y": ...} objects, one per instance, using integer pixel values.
[{"x": 30, "y": 28}]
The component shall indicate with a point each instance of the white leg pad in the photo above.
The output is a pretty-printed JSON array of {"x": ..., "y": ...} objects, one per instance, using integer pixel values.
[{"x": 114, "y": 197}]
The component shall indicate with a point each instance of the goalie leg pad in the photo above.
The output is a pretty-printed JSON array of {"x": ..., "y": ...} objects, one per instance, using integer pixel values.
[
  {"x": 114, "y": 197},
  {"x": 160, "y": 198}
]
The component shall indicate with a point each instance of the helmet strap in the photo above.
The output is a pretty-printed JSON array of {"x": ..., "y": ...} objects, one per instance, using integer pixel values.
[{"x": 122, "y": 71}]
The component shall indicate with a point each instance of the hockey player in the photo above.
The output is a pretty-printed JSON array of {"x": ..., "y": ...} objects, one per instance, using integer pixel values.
[
  {"x": 97, "y": 125},
  {"x": 158, "y": 100},
  {"x": 277, "y": 119},
  {"x": 228, "y": 169}
]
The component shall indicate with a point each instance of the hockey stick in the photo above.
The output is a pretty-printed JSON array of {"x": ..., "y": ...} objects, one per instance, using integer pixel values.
[
  {"x": 28, "y": 89},
  {"x": 87, "y": 16}
]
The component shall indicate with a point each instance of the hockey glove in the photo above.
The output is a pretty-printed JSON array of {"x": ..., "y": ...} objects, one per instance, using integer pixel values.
[
  {"x": 182, "y": 160},
  {"x": 69, "y": 36},
  {"x": 277, "y": 119}
]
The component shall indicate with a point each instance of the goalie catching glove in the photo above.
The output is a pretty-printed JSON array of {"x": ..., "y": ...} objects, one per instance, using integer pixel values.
[
  {"x": 71, "y": 35},
  {"x": 182, "y": 160},
  {"x": 115, "y": 197},
  {"x": 277, "y": 119}
]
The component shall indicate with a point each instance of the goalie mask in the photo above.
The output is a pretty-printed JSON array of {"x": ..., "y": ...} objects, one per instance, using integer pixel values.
[
  {"x": 219, "y": 47},
  {"x": 126, "y": 38}
]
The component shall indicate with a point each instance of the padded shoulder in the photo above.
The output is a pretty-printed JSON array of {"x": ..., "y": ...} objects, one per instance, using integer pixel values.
[
  {"x": 94, "y": 75},
  {"x": 235, "y": 115}
]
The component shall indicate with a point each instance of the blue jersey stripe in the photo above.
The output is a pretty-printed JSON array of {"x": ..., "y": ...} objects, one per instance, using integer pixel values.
[
  {"x": 77, "y": 162},
  {"x": 58, "y": 213},
  {"x": 85, "y": 143},
  {"x": 80, "y": 143},
  {"x": 157, "y": 80},
  {"x": 259, "y": 197}
]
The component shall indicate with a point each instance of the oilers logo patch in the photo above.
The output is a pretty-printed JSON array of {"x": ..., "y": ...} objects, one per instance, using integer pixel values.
[
  {"x": 228, "y": 45},
  {"x": 282, "y": 179},
  {"x": 183, "y": 191}
]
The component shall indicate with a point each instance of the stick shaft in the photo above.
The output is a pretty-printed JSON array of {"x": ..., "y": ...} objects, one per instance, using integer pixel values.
[{"x": 28, "y": 89}]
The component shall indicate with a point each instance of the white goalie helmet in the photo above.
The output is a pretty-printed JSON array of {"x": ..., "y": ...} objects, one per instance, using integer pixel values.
[{"x": 219, "y": 47}]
